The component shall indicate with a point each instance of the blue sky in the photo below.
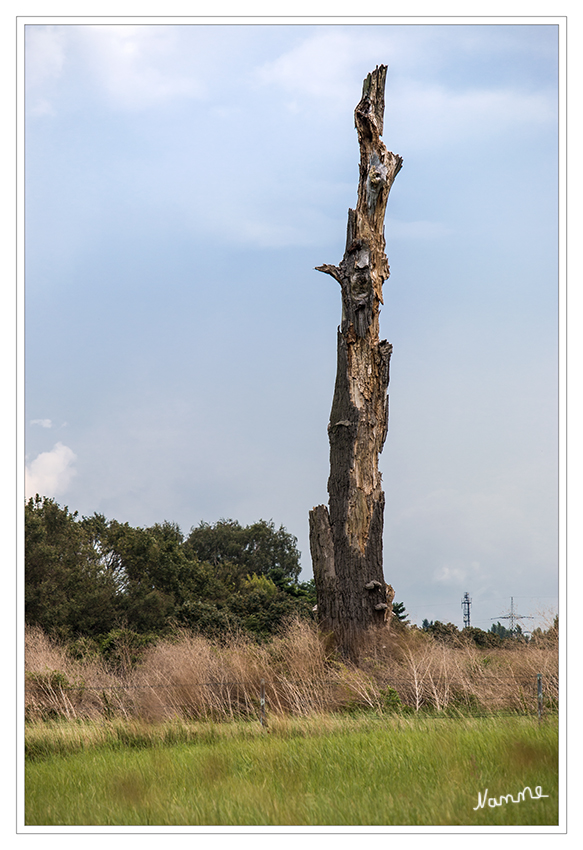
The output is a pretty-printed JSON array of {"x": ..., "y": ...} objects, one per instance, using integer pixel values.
[{"x": 182, "y": 182}]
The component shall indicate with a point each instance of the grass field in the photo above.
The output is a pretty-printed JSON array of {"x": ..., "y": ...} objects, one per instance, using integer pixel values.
[{"x": 366, "y": 769}]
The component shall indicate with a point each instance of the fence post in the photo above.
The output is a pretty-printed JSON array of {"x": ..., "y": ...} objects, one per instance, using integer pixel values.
[
  {"x": 262, "y": 703},
  {"x": 539, "y": 684}
]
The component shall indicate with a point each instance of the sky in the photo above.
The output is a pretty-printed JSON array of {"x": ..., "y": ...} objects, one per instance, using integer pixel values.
[{"x": 182, "y": 183}]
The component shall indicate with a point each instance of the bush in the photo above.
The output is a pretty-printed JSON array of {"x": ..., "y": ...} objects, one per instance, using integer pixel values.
[
  {"x": 123, "y": 649},
  {"x": 391, "y": 701},
  {"x": 480, "y": 637}
]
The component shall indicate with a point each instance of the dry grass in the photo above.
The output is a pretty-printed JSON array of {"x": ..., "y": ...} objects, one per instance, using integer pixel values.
[
  {"x": 58, "y": 686},
  {"x": 189, "y": 677},
  {"x": 426, "y": 673}
]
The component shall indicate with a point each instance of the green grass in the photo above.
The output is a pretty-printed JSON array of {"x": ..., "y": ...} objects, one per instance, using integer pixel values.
[{"x": 366, "y": 770}]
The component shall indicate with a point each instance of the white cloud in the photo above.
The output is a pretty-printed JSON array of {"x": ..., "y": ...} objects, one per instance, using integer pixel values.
[
  {"x": 431, "y": 115},
  {"x": 330, "y": 66},
  {"x": 451, "y": 573},
  {"x": 331, "y": 62},
  {"x": 44, "y": 423},
  {"x": 45, "y": 54},
  {"x": 319, "y": 67},
  {"x": 50, "y": 473},
  {"x": 45, "y": 59},
  {"x": 137, "y": 65},
  {"x": 134, "y": 66}
]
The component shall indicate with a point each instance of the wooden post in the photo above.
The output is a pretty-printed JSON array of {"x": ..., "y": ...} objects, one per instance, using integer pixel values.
[
  {"x": 539, "y": 683},
  {"x": 346, "y": 537},
  {"x": 262, "y": 703}
]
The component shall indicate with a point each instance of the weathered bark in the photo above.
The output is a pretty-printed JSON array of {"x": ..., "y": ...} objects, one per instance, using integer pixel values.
[{"x": 346, "y": 538}]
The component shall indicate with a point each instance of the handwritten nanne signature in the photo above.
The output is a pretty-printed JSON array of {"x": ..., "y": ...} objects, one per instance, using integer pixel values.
[{"x": 508, "y": 798}]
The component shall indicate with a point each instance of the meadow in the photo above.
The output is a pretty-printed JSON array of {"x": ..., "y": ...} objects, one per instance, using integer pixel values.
[
  {"x": 366, "y": 769},
  {"x": 411, "y": 736}
]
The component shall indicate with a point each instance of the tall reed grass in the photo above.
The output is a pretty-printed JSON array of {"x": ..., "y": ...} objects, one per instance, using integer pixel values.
[{"x": 190, "y": 677}]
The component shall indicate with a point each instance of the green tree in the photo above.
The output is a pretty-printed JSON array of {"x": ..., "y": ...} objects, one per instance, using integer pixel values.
[
  {"x": 480, "y": 637},
  {"x": 103, "y": 579},
  {"x": 67, "y": 591},
  {"x": 261, "y": 609},
  {"x": 152, "y": 570},
  {"x": 500, "y": 630},
  {"x": 399, "y": 613},
  {"x": 444, "y": 632},
  {"x": 237, "y": 551}
]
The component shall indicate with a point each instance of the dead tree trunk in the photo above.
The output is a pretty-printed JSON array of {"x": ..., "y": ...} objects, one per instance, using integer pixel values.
[{"x": 346, "y": 537}]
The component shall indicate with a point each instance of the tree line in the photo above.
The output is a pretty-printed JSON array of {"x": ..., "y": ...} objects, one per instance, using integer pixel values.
[
  {"x": 497, "y": 635},
  {"x": 91, "y": 577},
  {"x": 96, "y": 582}
]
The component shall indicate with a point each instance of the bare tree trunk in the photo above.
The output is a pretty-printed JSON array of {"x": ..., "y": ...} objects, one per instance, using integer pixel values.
[{"x": 346, "y": 538}]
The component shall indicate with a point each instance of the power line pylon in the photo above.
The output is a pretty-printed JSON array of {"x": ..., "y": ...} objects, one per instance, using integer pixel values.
[
  {"x": 513, "y": 617},
  {"x": 466, "y": 603}
]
